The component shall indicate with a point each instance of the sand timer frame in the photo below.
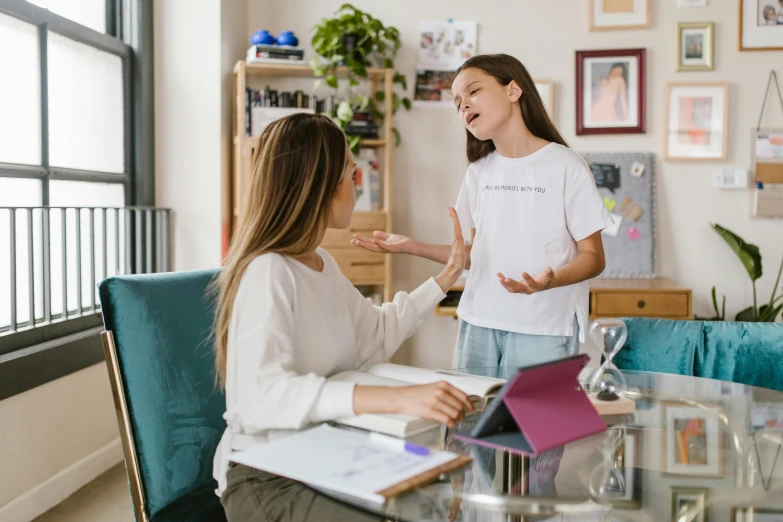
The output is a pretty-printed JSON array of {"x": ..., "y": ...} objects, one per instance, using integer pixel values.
[{"x": 606, "y": 381}]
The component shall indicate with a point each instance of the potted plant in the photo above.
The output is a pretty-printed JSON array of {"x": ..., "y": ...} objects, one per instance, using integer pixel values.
[
  {"x": 356, "y": 40},
  {"x": 750, "y": 256}
]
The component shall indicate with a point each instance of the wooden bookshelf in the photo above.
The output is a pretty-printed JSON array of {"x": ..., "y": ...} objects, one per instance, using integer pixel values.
[{"x": 361, "y": 267}]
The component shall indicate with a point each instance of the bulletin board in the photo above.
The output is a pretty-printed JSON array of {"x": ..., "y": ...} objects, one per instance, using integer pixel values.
[{"x": 626, "y": 182}]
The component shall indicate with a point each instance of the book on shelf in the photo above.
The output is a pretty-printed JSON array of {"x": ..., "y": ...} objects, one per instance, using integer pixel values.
[{"x": 481, "y": 390}]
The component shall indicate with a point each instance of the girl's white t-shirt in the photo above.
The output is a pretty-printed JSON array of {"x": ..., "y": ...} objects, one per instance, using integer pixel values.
[{"x": 528, "y": 214}]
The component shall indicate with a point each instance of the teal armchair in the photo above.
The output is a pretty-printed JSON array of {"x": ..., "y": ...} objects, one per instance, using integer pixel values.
[
  {"x": 160, "y": 358},
  {"x": 746, "y": 353}
]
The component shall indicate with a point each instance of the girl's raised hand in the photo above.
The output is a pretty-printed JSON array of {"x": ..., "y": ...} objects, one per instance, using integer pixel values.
[
  {"x": 458, "y": 256},
  {"x": 529, "y": 285},
  {"x": 385, "y": 243}
]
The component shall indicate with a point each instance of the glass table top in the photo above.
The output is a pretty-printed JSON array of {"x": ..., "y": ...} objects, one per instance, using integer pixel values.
[{"x": 694, "y": 449}]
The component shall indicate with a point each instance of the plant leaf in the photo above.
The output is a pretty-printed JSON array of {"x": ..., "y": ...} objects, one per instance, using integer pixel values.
[
  {"x": 406, "y": 103},
  {"x": 397, "y": 138},
  {"x": 746, "y": 315},
  {"x": 388, "y": 63},
  {"x": 353, "y": 81},
  {"x": 364, "y": 101},
  {"x": 747, "y": 252},
  {"x": 337, "y": 58},
  {"x": 355, "y": 143},
  {"x": 331, "y": 81},
  {"x": 380, "y": 96},
  {"x": 317, "y": 84}
]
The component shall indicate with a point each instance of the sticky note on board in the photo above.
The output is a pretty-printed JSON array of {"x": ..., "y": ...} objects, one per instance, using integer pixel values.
[
  {"x": 633, "y": 233},
  {"x": 614, "y": 229},
  {"x": 637, "y": 169},
  {"x": 610, "y": 203},
  {"x": 630, "y": 210}
]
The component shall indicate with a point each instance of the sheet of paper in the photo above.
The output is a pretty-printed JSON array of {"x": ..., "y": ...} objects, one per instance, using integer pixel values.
[
  {"x": 769, "y": 146},
  {"x": 613, "y": 230},
  {"x": 339, "y": 460}
]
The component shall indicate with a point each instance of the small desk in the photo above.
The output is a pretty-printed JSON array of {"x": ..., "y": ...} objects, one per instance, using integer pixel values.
[{"x": 660, "y": 297}]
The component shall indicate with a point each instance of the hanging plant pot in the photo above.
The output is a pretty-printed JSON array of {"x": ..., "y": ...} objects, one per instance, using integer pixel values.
[{"x": 349, "y": 43}]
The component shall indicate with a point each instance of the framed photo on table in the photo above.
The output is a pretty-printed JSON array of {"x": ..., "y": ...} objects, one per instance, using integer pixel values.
[
  {"x": 608, "y": 15},
  {"x": 692, "y": 441},
  {"x": 611, "y": 91},
  {"x": 686, "y": 500},
  {"x": 546, "y": 90},
  {"x": 695, "y": 46},
  {"x": 760, "y": 25},
  {"x": 696, "y": 121}
]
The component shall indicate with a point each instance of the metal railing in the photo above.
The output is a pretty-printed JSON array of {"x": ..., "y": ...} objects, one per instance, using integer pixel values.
[{"x": 51, "y": 258}]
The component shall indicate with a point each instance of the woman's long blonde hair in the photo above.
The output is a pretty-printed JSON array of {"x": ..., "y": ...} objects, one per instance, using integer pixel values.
[{"x": 297, "y": 166}]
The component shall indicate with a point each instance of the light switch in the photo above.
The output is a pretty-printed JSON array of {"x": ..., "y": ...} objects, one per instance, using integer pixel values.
[{"x": 730, "y": 178}]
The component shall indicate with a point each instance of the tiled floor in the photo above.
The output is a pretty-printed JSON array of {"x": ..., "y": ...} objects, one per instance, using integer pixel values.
[{"x": 102, "y": 500}]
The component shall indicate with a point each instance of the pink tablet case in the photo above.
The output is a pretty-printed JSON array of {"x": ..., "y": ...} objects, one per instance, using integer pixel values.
[{"x": 548, "y": 406}]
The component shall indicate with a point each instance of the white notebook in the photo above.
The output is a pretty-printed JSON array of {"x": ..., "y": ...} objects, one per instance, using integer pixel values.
[
  {"x": 348, "y": 462},
  {"x": 480, "y": 390}
]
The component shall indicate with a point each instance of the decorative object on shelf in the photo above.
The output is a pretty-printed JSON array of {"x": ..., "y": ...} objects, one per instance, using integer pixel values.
[
  {"x": 695, "y": 46},
  {"x": 692, "y": 443},
  {"x": 610, "y": 91},
  {"x": 608, "y": 15},
  {"x": 688, "y": 504},
  {"x": 262, "y": 37},
  {"x": 750, "y": 256},
  {"x": 356, "y": 40},
  {"x": 546, "y": 90},
  {"x": 607, "y": 381},
  {"x": 696, "y": 121},
  {"x": 760, "y": 25},
  {"x": 287, "y": 38}
]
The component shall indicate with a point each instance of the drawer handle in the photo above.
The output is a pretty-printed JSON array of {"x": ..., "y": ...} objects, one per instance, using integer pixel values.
[
  {"x": 365, "y": 263},
  {"x": 641, "y": 304}
]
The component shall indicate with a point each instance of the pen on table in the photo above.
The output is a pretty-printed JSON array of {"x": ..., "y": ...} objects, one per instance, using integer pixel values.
[{"x": 399, "y": 444}]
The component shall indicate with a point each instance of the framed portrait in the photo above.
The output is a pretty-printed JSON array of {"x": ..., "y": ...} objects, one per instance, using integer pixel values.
[
  {"x": 692, "y": 443},
  {"x": 610, "y": 91},
  {"x": 546, "y": 89},
  {"x": 695, "y": 46},
  {"x": 607, "y": 15},
  {"x": 688, "y": 500},
  {"x": 756, "y": 515},
  {"x": 696, "y": 121},
  {"x": 760, "y": 25}
]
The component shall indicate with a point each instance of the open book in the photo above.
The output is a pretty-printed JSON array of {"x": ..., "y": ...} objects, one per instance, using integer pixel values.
[{"x": 481, "y": 390}]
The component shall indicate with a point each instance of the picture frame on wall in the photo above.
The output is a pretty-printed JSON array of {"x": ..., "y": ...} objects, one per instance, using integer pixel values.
[
  {"x": 613, "y": 15},
  {"x": 546, "y": 90},
  {"x": 760, "y": 25},
  {"x": 695, "y": 46},
  {"x": 696, "y": 122},
  {"x": 745, "y": 514},
  {"x": 611, "y": 91},
  {"x": 692, "y": 441},
  {"x": 683, "y": 501}
]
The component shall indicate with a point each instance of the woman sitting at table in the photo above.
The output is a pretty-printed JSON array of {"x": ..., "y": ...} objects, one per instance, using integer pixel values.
[{"x": 288, "y": 319}]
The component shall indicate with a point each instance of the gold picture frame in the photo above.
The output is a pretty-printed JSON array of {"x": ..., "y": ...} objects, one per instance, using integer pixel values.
[
  {"x": 755, "y": 35},
  {"x": 619, "y": 15},
  {"x": 695, "y": 46},
  {"x": 706, "y": 137}
]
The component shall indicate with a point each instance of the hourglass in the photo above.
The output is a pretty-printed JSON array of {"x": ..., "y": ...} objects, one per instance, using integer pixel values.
[
  {"x": 607, "y": 381},
  {"x": 607, "y": 481}
]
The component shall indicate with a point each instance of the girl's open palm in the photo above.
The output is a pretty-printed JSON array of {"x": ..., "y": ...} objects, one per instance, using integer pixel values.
[
  {"x": 383, "y": 242},
  {"x": 458, "y": 255}
]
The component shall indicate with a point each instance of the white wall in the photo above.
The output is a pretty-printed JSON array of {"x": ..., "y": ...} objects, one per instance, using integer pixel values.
[
  {"x": 54, "y": 439},
  {"x": 430, "y": 164}
]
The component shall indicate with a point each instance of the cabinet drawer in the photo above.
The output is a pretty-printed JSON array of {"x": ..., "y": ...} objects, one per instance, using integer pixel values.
[
  {"x": 364, "y": 223},
  {"x": 642, "y": 304},
  {"x": 359, "y": 265}
]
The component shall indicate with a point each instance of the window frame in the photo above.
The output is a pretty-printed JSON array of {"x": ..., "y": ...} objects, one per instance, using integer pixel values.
[{"x": 33, "y": 357}]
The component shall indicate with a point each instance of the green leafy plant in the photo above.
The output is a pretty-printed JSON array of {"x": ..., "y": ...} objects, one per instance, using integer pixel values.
[
  {"x": 750, "y": 256},
  {"x": 357, "y": 41}
]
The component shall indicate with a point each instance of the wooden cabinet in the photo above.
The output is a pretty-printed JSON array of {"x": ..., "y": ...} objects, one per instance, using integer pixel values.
[
  {"x": 659, "y": 297},
  {"x": 359, "y": 266}
]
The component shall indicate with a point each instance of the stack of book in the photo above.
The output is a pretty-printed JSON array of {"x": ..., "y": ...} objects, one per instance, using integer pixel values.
[{"x": 274, "y": 54}]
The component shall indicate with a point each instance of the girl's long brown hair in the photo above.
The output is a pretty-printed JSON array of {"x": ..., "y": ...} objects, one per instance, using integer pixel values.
[
  {"x": 505, "y": 69},
  {"x": 297, "y": 166}
]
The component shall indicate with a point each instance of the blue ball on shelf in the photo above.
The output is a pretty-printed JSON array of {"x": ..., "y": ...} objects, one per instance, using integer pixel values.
[
  {"x": 287, "y": 38},
  {"x": 262, "y": 37}
]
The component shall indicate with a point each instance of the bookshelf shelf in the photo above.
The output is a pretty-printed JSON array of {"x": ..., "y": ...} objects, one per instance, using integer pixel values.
[{"x": 361, "y": 267}]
